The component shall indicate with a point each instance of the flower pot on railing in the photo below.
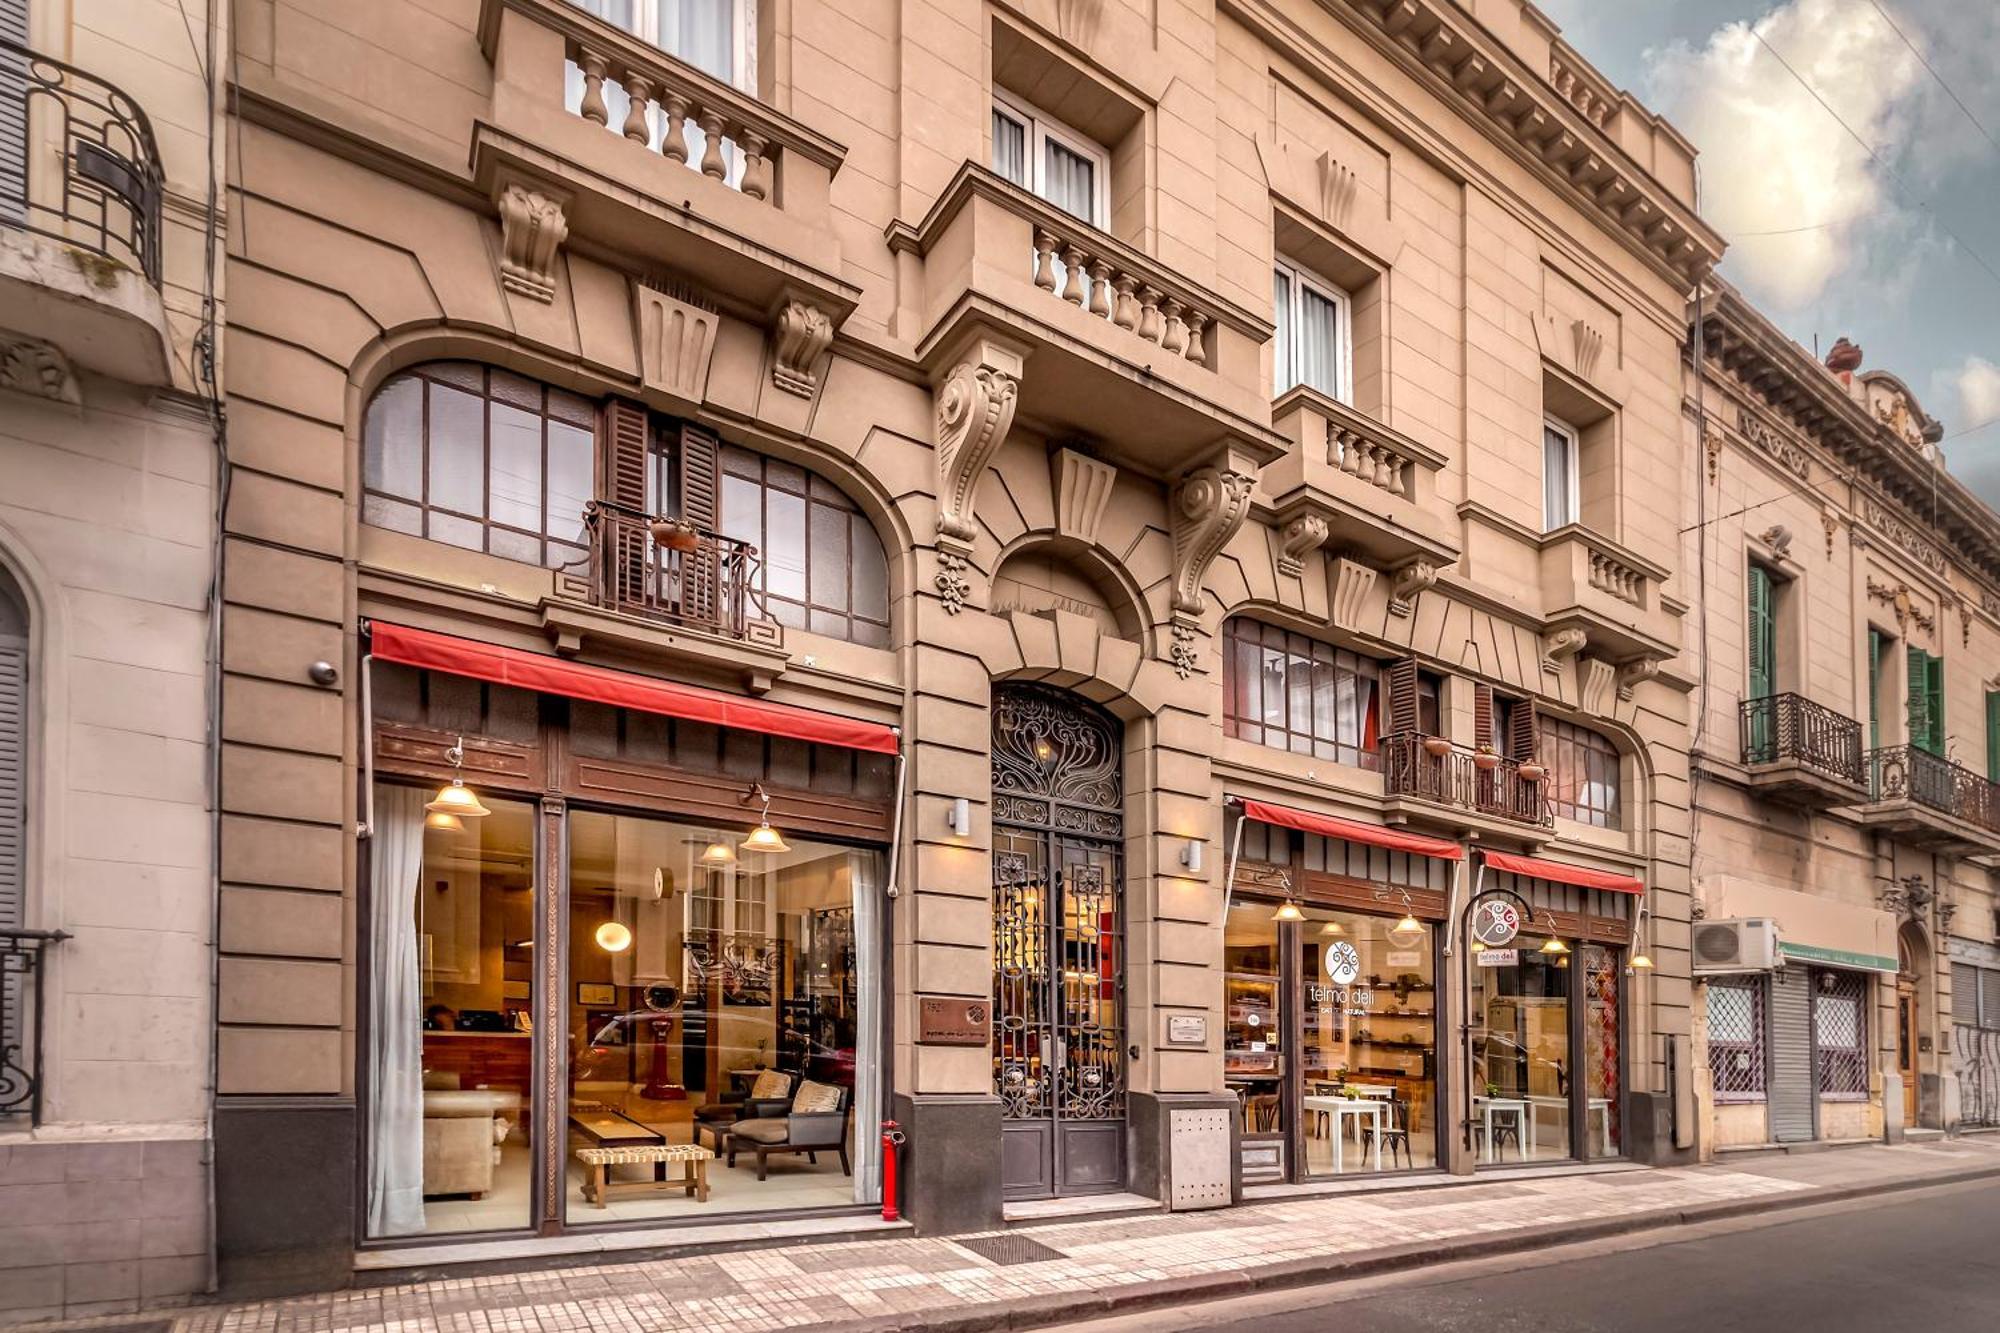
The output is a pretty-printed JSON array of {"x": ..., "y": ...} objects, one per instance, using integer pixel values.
[
  {"x": 676, "y": 534},
  {"x": 1532, "y": 772},
  {"x": 1437, "y": 747},
  {"x": 1485, "y": 759}
]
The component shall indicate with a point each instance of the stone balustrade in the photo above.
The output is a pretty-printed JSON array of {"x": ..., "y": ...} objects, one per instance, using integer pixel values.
[
  {"x": 683, "y": 102},
  {"x": 1085, "y": 268},
  {"x": 1582, "y": 88},
  {"x": 1370, "y": 460},
  {"x": 1609, "y": 574}
]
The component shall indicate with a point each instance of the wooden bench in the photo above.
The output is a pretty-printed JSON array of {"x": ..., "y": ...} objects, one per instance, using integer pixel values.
[{"x": 598, "y": 1187}]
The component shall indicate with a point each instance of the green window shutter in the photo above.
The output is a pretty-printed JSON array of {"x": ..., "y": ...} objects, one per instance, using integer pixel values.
[
  {"x": 1917, "y": 692},
  {"x": 1993, "y": 736},
  {"x": 1874, "y": 689},
  {"x": 1934, "y": 701},
  {"x": 1763, "y": 634}
]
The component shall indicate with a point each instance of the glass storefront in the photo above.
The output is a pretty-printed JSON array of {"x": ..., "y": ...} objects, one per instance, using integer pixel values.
[{"x": 1521, "y": 1065}]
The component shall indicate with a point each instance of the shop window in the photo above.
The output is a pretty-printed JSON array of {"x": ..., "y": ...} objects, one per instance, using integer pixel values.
[
  {"x": 1736, "y": 1039},
  {"x": 1583, "y": 773},
  {"x": 821, "y": 567},
  {"x": 482, "y": 458},
  {"x": 1840, "y": 1033},
  {"x": 1295, "y": 693},
  {"x": 1521, "y": 1060},
  {"x": 1313, "y": 341}
]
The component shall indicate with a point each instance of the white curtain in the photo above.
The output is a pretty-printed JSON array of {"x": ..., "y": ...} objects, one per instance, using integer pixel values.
[
  {"x": 865, "y": 882},
  {"x": 1557, "y": 463},
  {"x": 1319, "y": 342},
  {"x": 1285, "y": 375},
  {"x": 701, "y": 33},
  {"x": 1070, "y": 181},
  {"x": 395, "y": 995},
  {"x": 1010, "y": 148}
]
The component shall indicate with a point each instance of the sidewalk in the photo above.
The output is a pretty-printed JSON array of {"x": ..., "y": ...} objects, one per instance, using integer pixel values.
[{"x": 1038, "y": 1275}]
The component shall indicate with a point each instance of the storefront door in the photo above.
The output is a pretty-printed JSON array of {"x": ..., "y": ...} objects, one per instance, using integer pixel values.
[
  {"x": 1058, "y": 934},
  {"x": 1906, "y": 1046}
]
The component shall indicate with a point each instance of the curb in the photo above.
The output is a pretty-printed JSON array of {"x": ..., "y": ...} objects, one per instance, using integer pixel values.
[{"x": 1043, "y": 1311}]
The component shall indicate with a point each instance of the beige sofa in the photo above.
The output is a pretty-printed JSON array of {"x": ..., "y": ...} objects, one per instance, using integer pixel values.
[{"x": 463, "y": 1131}]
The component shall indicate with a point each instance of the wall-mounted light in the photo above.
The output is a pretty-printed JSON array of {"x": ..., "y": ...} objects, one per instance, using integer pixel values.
[
  {"x": 614, "y": 937},
  {"x": 763, "y": 838},
  {"x": 455, "y": 798},
  {"x": 960, "y": 817},
  {"x": 1191, "y": 856}
]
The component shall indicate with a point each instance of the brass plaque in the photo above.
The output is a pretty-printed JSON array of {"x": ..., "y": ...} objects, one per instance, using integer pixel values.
[{"x": 947, "y": 1021}]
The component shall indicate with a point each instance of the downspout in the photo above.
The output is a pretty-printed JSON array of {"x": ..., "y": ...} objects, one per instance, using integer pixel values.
[{"x": 896, "y": 820}]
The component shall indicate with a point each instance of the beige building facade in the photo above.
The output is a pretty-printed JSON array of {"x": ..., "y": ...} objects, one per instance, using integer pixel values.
[
  {"x": 110, "y": 143},
  {"x": 1020, "y": 568},
  {"x": 1846, "y": 747}
]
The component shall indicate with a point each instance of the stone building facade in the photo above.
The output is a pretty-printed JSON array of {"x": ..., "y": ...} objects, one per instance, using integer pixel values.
[
  {"x": 1846, "y": 747},
  {"x": 110, "y": 144},
  {"x": 1125, "y": 495}
]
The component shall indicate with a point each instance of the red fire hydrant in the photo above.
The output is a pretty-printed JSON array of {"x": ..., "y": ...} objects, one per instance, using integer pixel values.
[{"x": 892, "y": 1139}]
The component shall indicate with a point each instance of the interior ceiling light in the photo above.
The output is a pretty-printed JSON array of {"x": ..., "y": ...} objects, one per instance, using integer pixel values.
[{"x": 614, "y": 937}]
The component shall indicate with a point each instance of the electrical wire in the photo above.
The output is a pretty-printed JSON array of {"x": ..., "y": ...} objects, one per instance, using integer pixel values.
[{"x": 1917, "y": 51}]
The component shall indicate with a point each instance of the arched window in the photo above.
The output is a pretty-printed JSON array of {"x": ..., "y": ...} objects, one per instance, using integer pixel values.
[
  {"x": 482, "y": 458},
  {"x": 1583, "y": 779},
  {"x": 821, "y": 566}
]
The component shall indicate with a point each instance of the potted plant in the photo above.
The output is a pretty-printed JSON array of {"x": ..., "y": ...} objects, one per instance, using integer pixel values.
[
  {"x": 1486, "y": 758},
  {"x": 676, "y": 534},
  {"x": 1437, "y": 747},
  {"x": 1532, "y": 772},
  {"x": 1492, "y": 1089}
]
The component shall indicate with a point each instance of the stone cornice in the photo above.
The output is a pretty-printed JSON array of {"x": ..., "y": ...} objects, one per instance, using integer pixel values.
[{"x": 1556, "y": 134}]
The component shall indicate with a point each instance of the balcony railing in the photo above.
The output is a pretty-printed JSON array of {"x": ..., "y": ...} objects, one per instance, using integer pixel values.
[
  {"x": 105, "y": 199},
  {"x": 1794, "y": 729},
  {"x": 1907, "y": 773},
  {"x": 21, "y": 1020},
  {"x": 1463, "y": 779},
  {"x": 642, "y": 565}
]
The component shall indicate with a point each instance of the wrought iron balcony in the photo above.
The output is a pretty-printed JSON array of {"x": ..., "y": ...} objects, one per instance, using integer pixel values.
[
  {"x": 21, "y": 1020},
  {"x": 1486, "y": 785},
  {"x": 105, "y": 199},
  {"x": 1801, "y": 751},
  {"x": 1930, "y": 801},
  {"x": 641, "y": 564}
]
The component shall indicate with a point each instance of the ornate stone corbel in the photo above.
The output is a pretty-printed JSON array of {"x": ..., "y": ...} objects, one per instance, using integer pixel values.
[
  {"x": 1416, "y": 577},
  {"x": 532, "y": 226},
  {"x": 1301, "y": 537},
  {"x": 1633, "y": 672},
  {"x": 1352, "y": 582},
  {"x": 975, "y": 407},
  {"x": 1594, "y": 684},
  {"x": 800, "y": 335},
  {"x": 1589, "y": 343},
  {"x": 1561, "y": 646},
  {"x": 1208, "y": 505},
  {"x": 31, "y": 366},
  {"x": 1083, "y": 488},
  {"x": 1337, "y": 187}
]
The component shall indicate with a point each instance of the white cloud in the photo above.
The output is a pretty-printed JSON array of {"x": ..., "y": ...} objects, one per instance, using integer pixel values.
[
  {"x": 1977, "y": 383},
  {"x": 1773, "y": 160}
]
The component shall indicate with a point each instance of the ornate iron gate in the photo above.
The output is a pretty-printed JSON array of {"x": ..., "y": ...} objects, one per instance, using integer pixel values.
[{"x": 1058, "y": 931}]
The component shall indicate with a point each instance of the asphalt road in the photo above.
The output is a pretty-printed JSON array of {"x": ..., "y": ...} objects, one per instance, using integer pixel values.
[{"x": 1926, "y": 1262}]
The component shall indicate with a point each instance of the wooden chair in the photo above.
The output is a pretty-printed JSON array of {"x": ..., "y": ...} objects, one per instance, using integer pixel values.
[{"x": 1395, "y": 1131}]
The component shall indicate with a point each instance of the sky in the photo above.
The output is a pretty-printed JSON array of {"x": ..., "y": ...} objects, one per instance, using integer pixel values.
[{"x": 1886, "y": 231}]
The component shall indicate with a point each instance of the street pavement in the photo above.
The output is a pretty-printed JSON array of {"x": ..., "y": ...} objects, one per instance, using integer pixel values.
[{"x": 1925, "y": 1262}]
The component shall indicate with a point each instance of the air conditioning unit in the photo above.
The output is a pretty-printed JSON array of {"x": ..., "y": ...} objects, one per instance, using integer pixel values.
[{"x": 1747, "y": 944}]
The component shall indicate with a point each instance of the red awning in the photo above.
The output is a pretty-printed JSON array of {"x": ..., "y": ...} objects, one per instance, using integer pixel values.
[
  {"x": 1373, "y": 834},
  {"x": 622, "y": 689},
  {"x": 1583, "y": 877}
]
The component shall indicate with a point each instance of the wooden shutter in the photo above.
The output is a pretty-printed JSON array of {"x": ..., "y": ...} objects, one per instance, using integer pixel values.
[
  {"x": 1874, "y": 689},
  {"x": 1934, "y": 701},
  {"x": 698, "y": 477},
  {"x": 1763, "y": 634},
  {"x": 1993, "y": 736},
  {"x": 1522, "y": 731},
  {"x": 1402, "y": 696},
  {"x": 1482, "y": 716},
  {"x": 622, "y": 541},
  {"x": 13, "y": 113},
  {"x": 623, "y": 439},
  {"x": 1917, "y": 696}
]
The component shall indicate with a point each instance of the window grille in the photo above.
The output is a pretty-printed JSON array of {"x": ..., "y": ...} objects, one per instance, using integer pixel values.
[
  {"x": 1736, "y": 1040},
  {"x": 1840, "y": 1033}
]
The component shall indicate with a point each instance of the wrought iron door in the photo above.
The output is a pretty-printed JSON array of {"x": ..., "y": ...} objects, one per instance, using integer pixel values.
[{"x": 1058, "y": 954}]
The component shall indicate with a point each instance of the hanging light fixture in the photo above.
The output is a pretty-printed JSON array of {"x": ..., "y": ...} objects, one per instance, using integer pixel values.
[
  {"x": 763, "y": 838},
  {"x": 717, "y": 853},
  {"x": 444, "y": 822},
  {"x": 614, "y": 937},
  {"x": 1333, "y": 928},
  {"x": 1553, "y": 945},
  {"x": 1406, "y": 932},
  {"x": 1289, "y": 912},
  {"x": 455, "y": 798}
]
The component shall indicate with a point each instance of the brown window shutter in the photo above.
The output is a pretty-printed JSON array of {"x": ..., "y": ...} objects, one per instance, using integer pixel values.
[
  {"x": 1402, "y": 695},
  {"x": 1521, "y": 728},
  {"x": 699, "y": 471},
  {"x": 621, "y": 541},
  {"x": 624, "y": 443},
  {"x": 1482, "y": 716}
]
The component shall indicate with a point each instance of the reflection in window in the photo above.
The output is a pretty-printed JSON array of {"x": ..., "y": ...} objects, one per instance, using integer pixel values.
[
  {"x": 821, "y": 565},
  {"x": 1521, "y": 1057},
  {"x": 1294, "y": 693},
  {"x": 479, "y": 457},
  {"x": 1583, "y": 778}
]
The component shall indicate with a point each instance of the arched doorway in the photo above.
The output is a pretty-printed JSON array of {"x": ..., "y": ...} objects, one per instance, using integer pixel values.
[
  {"x": 1058, "y": 932},
  {"x": 1912, "y": 973}
]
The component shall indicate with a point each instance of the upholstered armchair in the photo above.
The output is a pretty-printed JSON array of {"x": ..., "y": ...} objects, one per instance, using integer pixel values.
[
  {"x": 816, "y": 1123},
  {"x": 463, "y": 1131},
  {"x": 753, "y": 1094}
]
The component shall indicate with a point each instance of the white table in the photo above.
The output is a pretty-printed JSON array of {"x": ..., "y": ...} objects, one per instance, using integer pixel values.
[
  {"x": 1593, "y": 1106},
  {"x": 1524, "y": 1123},
  {"x": 1340, "y": 1108}
]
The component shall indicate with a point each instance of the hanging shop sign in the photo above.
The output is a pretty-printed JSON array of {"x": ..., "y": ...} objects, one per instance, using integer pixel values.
[{"x": 1496, "y": 920}]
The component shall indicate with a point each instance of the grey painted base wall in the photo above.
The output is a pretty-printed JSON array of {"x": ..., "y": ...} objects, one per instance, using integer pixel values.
[
  {"x": 97, "y": 1228},
  {"x": 284, "y": 1195},
  {"x": 1649, "y": 1131},
  {"x": 950, "y": 1169},
  {"x": 1149, "y": 1139}
]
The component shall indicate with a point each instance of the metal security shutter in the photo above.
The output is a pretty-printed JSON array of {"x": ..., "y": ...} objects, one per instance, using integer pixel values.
[
  {"x": 1793, "y": 1104},
  {"x": 13, "y": 111},
  {"x": 1965, "y": 994}
]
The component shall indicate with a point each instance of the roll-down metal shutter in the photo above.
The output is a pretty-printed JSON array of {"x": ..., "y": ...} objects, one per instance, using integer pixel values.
[{"x": 1791, "y": 1095}]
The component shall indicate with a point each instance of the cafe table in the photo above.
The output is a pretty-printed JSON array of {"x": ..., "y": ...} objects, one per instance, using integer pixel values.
[
  {"x": 1524, "y": 1123},
  {"x": 1599, "y": 1107},
  {"x": 1341, "y": 1107}
]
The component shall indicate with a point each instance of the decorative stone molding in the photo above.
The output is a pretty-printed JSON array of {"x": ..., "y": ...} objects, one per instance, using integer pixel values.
[
  {"x": 1209, "y": 505},
  {"x": 1077, "y": 21},
  {"x": 1964, "y": 609},
  {"x": 952, "y": 585},
  {"x": 1595, "y": 679},
  {"x": 31, "y": 366},
  {"x": 1352, "y": 582},
  {"x": 1561, "y": 646},
  {"x": 1587, "y": 344},
  {"x": 1083, "y": 489},
  {"x": 676, "y": 342},
  {"x": 532, "y": 226},
  {"x": 1416, "y": 577},
  {"x": 1301, "y": 537},
  {"x": 975, "y": 408},
  {"x": 800, "y": 335},
  {"x": 1633, "y": 673},
  {"x": 1338, "y": 186},
  {"x": 1712, "y": 445},
  {"x": 1896, "y": 596},
  {"x": 1830, "y": 523},
  {"x": 1181, "y": 653}
]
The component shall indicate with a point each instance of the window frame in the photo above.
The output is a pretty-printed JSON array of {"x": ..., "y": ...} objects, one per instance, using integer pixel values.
[
  {"x": 1573, "y": 439},
  {"x": 816, "y": 492},
  {"x": 1852, "y": 1060},
  {"x": 645, "y": 25},
  {"x": 1757, "y": 1048},
  {"x": 1346, "y": 664},
  {"x": 1565, "y": 747},
  {"x": 1284, "y": 377},
  {"x": 1039, "y": 128}
]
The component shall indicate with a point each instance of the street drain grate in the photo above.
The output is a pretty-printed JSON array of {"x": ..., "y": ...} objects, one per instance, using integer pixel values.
[{"x": 1009, "y": 1249}]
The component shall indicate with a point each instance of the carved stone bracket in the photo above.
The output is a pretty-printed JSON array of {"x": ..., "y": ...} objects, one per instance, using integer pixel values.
[
  {"x": 951, "y": 583},
  {"x": 1416, "y": 577},
  {"x": 975, "y": 407},
  {"x": 1077, "y": 21},
  {"x": 1301, "y": 537},
  {"x": 532, "y": 227},
  {"x": 1209, "y": 505},
  {"x": 1594, "y": 685},
  {"x": 1337, "y": 187},
  {"x": 800, "y": 335},
  {"x": 1588, "y": 344},
  {"x": 1634, "y": 672},
  {"x": 1896, "y": 596},
  {"x": 1561, "y": 646},
  {"x": 1083, "y": 489},
  {"x": 31, "y": 366},
  {"x": 1352, "y": 582}
]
